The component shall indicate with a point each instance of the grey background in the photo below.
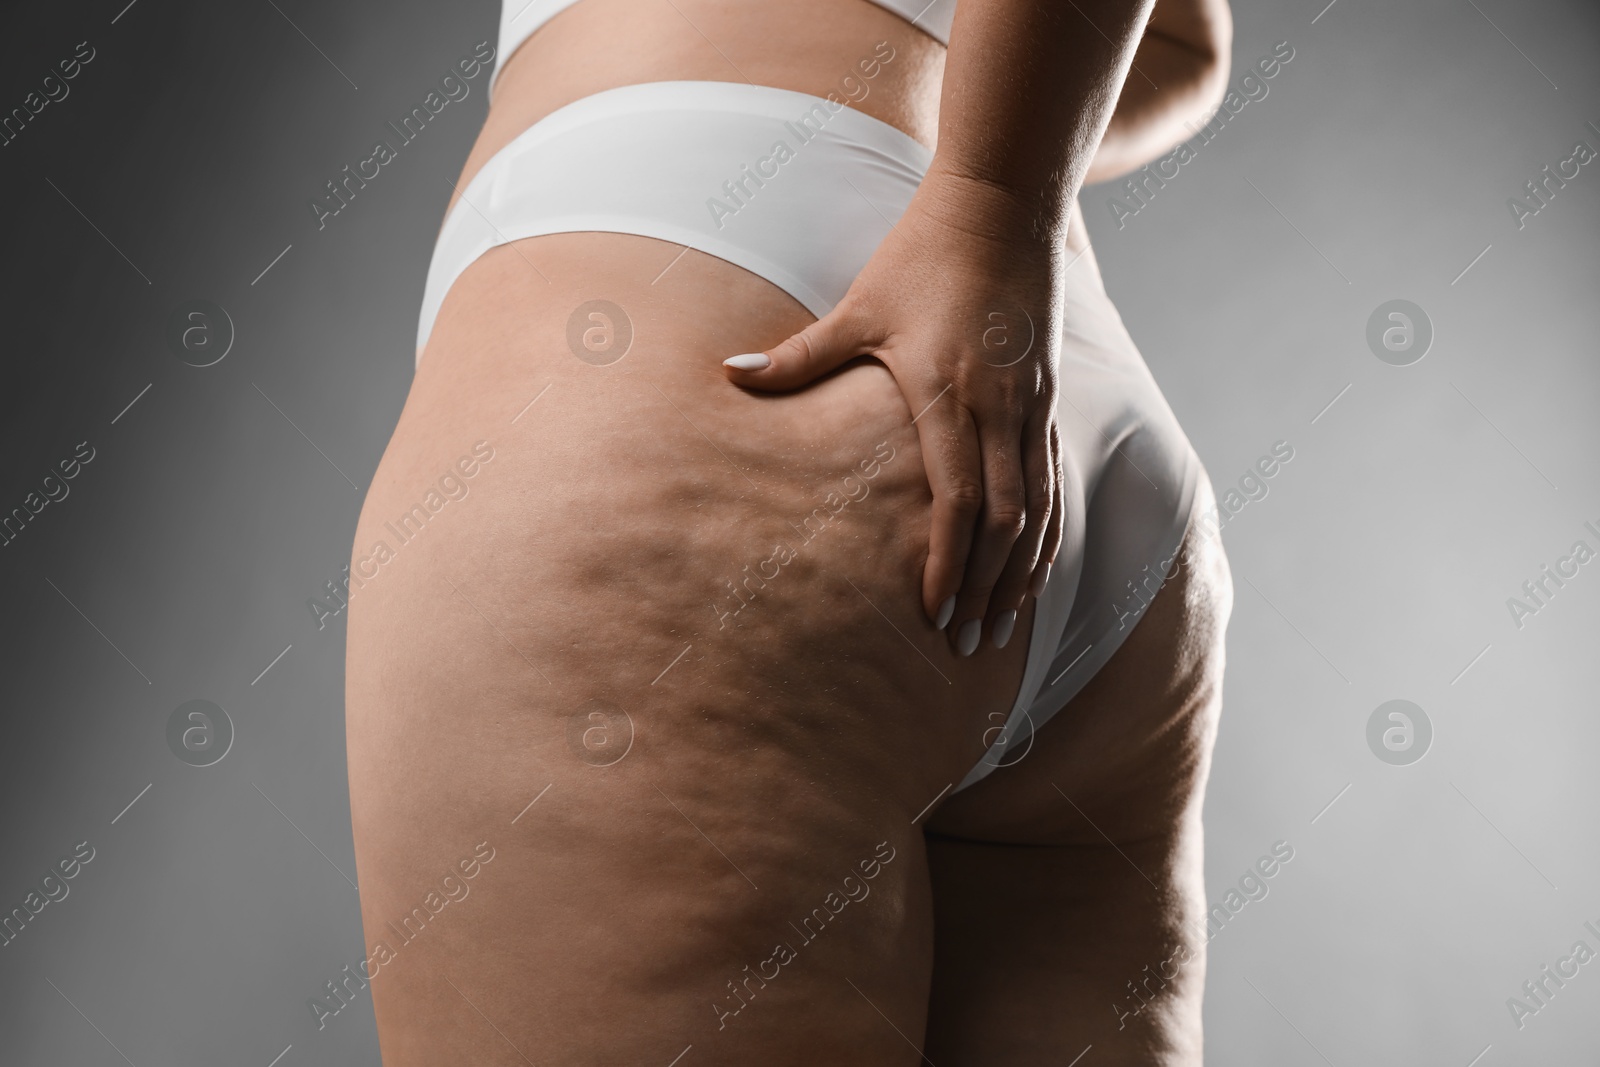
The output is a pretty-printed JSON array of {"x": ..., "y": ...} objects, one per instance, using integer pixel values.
[{"x": 1378, "y": 566}]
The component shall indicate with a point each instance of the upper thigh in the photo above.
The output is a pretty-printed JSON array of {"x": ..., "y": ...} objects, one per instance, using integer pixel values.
[{"x": 631, "y": 910}]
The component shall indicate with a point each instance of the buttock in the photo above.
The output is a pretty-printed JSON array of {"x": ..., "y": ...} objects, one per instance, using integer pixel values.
[{"x": 642, "y": 517}]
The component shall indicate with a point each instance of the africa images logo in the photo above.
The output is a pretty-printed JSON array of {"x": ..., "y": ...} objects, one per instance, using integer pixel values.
[{"x": 452, "y": 87}]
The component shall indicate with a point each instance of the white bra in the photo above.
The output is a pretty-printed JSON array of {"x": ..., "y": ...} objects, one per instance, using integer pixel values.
[{"x": 520, "y": 18}]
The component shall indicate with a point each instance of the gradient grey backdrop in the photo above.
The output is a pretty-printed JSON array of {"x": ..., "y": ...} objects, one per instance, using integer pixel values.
[{"x": 179, "y": 566}]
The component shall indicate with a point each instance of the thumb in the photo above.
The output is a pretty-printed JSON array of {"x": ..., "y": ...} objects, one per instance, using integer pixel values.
[{"x": 819, "y": 348}]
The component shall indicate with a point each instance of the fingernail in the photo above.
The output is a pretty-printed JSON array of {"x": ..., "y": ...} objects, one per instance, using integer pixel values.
[
  {"x": 1003, "y": 627},
  {"x": 947, "y": 609},
  {"x": 967, "y": 637},
  {"x": 1039, "y": 580},
  {"x": 748, "y": 361}
]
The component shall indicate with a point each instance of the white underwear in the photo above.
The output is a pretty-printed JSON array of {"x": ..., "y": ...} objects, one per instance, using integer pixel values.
[{"x": 700, "y": 164}]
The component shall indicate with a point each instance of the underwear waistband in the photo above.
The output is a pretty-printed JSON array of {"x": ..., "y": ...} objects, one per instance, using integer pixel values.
[{"x": 792, "y": 187}]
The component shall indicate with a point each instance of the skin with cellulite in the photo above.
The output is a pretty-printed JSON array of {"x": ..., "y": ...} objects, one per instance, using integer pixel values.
[{"x": 666, "y": 658}]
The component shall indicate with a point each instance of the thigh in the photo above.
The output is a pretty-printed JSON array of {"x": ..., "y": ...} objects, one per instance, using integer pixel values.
[
  {"x": 660, "y": 658},
  {"x": 1068, "y": 889}
]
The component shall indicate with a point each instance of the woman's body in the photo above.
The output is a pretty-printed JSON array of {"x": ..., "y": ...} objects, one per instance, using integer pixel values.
[{"x": 766, "y": 754}]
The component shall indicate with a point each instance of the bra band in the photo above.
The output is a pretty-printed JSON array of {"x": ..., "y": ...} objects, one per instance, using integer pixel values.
[{"x": 520, "y": 18}]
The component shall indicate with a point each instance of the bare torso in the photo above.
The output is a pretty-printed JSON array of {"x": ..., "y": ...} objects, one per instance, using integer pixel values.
[{"x": 759, "y": 738}]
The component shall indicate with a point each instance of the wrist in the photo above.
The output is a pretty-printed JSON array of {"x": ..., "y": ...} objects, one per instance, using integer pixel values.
[{"x": 1036, "y": 213}]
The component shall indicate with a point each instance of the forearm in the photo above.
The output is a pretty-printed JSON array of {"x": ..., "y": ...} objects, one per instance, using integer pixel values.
[
  {"x": 1180, "y": 72},
  {"x": 1029, "y": 89}
]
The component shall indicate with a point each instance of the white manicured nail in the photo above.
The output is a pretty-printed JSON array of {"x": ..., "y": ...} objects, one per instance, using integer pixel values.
[
  {"x": 947, "y": 609},
  {"x": 1003, "y": 627},
  {"x": 967, "y": 637},
  {"x": 748, "y": 361},
  {"x": 1040, "y": 580}
]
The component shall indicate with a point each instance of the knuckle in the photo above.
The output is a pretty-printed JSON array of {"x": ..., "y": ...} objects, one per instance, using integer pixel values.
[
  {"x": 965, "y": 496},
  {"x": 849, "y": 314},
  {"x": 796, "y": 349},
  {"x": 1005, "y": 518},
  {"x": 1041, "y": 492},
  {"x": 852, "y": 319}
]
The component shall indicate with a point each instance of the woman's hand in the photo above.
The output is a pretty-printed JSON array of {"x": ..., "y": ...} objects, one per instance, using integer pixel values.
[{"x": 961, "y": 302}]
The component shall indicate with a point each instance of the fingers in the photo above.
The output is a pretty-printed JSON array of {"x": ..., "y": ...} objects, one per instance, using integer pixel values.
[
  {"x": 1001, "y": 520},
  {"x": 1026, "y": 552},
  {"x": 1055, "y": 529},
  {"x": 819, "y": 348},
  {"x": 950, "y": 454},
  {"x": 997, "y": 518}
]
